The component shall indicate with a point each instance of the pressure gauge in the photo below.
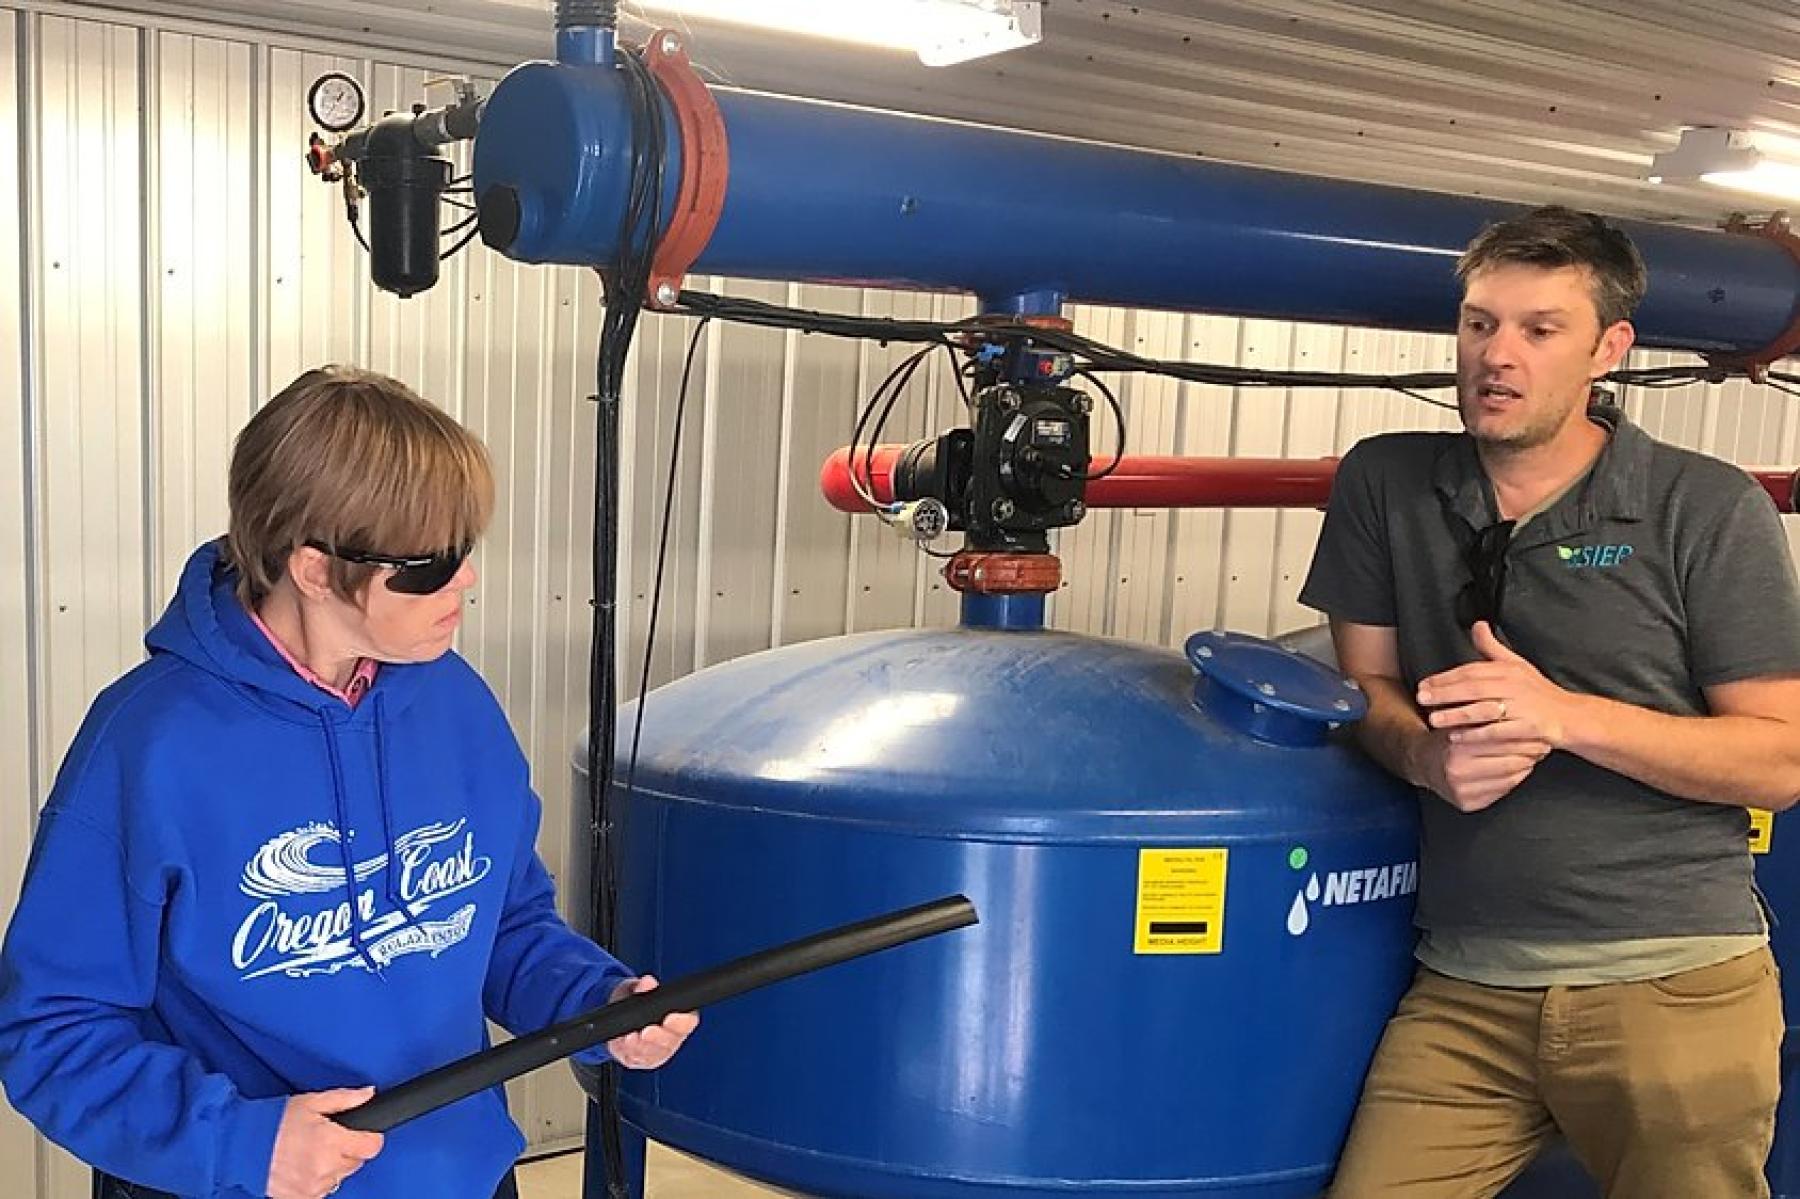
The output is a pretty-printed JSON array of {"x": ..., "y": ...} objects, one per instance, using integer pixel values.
[{"x": 336, "y": 101}]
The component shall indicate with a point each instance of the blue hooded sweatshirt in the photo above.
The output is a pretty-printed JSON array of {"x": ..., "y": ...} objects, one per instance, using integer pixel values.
[{"x": 197, "y": 938}]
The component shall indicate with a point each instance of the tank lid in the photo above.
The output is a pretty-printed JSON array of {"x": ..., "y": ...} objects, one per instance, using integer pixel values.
[{"x": 1270, "y": 692}]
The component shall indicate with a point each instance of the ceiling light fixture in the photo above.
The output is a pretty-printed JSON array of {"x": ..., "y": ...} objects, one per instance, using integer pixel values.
[
  {"x": 941, "y": 32},
  {"x": 1727, "y": 158}
]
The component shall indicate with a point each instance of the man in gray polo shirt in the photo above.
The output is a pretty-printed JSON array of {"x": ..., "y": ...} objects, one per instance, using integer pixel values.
[{"x": 1583, "y": 647}]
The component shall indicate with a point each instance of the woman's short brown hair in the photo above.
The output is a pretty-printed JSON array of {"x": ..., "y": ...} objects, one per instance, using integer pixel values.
[{"x": 354, "y": 460}]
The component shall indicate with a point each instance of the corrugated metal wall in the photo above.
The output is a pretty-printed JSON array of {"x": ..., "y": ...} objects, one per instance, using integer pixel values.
[{"x": 169, "y": 263}]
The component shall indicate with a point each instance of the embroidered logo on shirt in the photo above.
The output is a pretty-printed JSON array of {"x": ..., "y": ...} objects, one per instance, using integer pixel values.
[
  {"x": 302, "y": 925},
  {"x": 1599, "y": 557}
]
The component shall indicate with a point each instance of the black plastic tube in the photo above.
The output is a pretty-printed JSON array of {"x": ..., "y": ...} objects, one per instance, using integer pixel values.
[
  {"x": 576, "y": 14},
  {"x": 479, "y": 1071}
]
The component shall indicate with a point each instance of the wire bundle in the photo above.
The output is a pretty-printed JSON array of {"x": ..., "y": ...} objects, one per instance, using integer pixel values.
[
  {"x": 1094, "y": 356},
  {"x": 624, "y": 281}
]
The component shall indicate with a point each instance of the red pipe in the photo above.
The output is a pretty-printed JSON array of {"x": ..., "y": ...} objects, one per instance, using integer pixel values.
[
  {"x": 1783, "y": 487},
  {"x": 1151, "y": 481}
]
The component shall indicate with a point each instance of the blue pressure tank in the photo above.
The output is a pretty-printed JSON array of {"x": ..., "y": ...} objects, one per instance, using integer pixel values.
[
  {"x": 1777, "y": 844},
  {"x": 1195, "y": 901}
]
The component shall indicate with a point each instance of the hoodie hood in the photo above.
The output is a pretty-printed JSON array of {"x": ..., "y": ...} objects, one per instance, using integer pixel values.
[{"x": 207, "y": 626}]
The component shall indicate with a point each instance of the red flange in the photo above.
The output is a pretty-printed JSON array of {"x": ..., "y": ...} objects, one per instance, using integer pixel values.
[
  {"x": 705, "y": 167},
  {"x": 992, "y": 573}
]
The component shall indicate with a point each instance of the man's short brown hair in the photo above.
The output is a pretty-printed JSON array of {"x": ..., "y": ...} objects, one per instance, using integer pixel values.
[
  {"x": 1554, "y": 237},
  {"x": 353, "y": 460}
]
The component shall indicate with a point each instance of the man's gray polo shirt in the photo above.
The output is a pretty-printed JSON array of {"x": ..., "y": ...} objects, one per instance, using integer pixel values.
[{"x": 1663, "y": 573}]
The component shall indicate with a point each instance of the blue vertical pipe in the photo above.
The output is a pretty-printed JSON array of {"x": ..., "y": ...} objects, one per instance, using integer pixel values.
[
  {"x": 828, "y": 193},
  {"x": 1014, "y": 612},
  {"x": 584, "y": 46}
]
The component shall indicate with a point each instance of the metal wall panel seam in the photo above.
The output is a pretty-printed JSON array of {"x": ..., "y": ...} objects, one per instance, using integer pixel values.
[
  {"x": 1124, "y": 326},
  {"x": 631, "y": 394},
  {"x": 923, "y": 564},
  {"x": 31, "y": 348},
  {"x": 361, "y": 310},
  {"x": 704, "y": 516},
  {"x": 854, "y": 531},
  {"x": 784, "y": 461},
  {"x": 150, "y": 266},
  {"x": 538, "y": 707},
  {"x": 631, "y": 438},
  {"x": 1788, "y": 443},
  {"x": 1181, "y": 397},
  {"x": 260, "y": 254}
]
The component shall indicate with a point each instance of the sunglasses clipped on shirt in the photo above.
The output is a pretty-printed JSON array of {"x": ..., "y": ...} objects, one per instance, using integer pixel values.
[
  {"x": 1485, "y": 557},
  {"x": 413, "y": 574}
]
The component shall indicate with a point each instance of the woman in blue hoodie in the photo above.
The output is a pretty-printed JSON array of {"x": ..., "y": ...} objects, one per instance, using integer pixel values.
[{"x": 292, "y": 856}]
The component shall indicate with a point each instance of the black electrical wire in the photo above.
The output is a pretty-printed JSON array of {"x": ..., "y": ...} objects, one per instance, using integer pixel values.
[
  {"x": 1095, "y": 356},
  {"x": 857, "y": 481},
  {"x": 474, "y": 231},
  {"x": 356, "y": 228},
  {"x": 662, "y": 552},
  {"x": 1118, "y": 418},
  {"x": 1425, "y": 399},
  {"x": 910, "y": 368},
  {"x": 962, "y": 379}
]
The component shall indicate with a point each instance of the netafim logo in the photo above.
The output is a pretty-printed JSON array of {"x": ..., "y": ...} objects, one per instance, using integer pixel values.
[{"x": 1344, "y": 887}]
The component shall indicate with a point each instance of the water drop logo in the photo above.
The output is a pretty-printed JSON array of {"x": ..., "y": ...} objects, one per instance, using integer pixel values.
[
  {"x": 1342, "y": 888},
  {"x": 1299, "y": 916}
]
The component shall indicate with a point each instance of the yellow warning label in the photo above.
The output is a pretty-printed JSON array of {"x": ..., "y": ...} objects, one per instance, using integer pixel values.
[
  {"x": 1762, "y": 830},
  {"x": 1181, "y": 901}
]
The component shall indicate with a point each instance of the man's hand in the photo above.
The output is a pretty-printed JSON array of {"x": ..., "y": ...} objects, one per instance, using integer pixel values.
[
  {"x": 648, "y": 1048},
  {"x": 1493, "y": 721},
  {"x": 313, "y": 1153},
  {"x": 1473, "y": 777},
  {"x": 1503, "y": 700}
]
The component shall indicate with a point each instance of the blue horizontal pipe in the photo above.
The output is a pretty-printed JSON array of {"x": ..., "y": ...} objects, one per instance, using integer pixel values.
[{"x": 833, "y": 194}]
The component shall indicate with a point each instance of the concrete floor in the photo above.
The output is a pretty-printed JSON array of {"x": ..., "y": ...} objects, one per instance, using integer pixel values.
[{"x": 671, "y": 1176}]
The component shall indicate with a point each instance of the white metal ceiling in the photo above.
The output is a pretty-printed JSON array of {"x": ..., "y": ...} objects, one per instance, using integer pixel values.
[{"x": 1549, "y": 100}]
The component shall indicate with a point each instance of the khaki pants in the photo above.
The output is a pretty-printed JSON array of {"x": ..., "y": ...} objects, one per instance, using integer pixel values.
[{"x": 1664, "y": 1089}]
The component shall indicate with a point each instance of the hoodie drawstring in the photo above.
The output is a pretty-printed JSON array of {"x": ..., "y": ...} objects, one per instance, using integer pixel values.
[
  {"x": 387, "y": 813},
  {"x": 391, "y": 854},
  {"x": 345, "y": 856}
]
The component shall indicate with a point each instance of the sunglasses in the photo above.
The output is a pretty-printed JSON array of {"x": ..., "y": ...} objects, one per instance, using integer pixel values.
[
  {"x": 413, "y": 574},
  {"x": 1485, "y": 557}
]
